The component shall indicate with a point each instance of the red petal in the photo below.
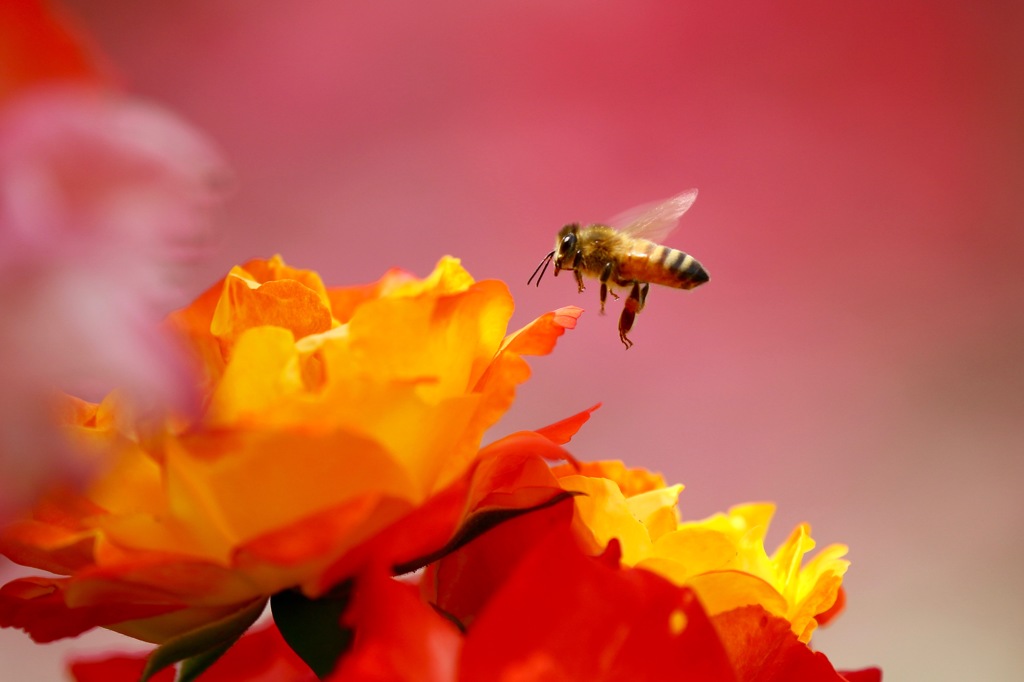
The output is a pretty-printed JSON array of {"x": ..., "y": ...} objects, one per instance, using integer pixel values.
[
  {"x": 512, "y": 467},
  {"x": 36, "y": 605},
  {"x": 561, "y": 432},
  {"x": 397, "y": 636},
  {"x": 259, "y": 656},
  {"x": 37, "y": 45},
  {"x": 464, "y": 581},
  {"x": 865, "y": 675},
  {"x": 763, "y": 648},
  {"x": 508, "y": 474},
  {"x": 117, "y": 668},
  {"x": 511, "y": 474},
  {"x": 565, "y": 616},
  {"x": 423, "y": 531},
  {"x": 313, "y": 536}
]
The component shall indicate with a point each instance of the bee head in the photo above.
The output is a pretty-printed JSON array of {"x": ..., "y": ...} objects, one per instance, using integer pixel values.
[{"x": 565, "y": 246}]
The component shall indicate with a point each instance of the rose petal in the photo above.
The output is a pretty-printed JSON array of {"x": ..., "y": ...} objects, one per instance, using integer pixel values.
[
  {"x": 561, "y": 432},
  {"x": 763, "y": 648},
  {"x": 397, "y": 636},
  {"x": 562, "y": 615}
]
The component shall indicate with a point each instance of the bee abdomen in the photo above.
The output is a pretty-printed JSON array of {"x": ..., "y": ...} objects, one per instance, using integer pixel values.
[{"x": 675, "y": 268}]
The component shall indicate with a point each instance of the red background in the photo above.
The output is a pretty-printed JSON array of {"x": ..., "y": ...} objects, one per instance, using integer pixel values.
[{"x": 857, "y": 355}]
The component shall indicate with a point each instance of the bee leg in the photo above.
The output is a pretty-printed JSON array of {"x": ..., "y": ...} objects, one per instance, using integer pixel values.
[
  {"x": 629, "y": 311},
  {"x": 576, "y": 260},
  {"x": 643, "y": 296},
  {"x": 625, "y": 324},
  {"x": 606, "y": 274}
]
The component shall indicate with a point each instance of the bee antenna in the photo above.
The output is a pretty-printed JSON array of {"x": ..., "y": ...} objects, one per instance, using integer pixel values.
[{"x": 542, "y": 268}]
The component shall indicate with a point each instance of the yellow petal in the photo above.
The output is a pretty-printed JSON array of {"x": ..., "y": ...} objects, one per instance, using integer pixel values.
[
  {"x": 656, "y": 510},
  {"x": 263, "y": 372},
  {"x": 602, "y": 509}
]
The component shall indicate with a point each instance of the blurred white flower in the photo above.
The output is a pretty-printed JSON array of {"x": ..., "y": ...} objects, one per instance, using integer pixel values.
[{"x": 104, "y": 203}]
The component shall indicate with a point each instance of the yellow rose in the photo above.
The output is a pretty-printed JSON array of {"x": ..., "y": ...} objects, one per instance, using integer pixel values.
[{"x": 722, "y": 558}]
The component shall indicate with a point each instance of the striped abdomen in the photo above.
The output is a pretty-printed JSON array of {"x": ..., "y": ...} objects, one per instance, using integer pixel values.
[{"x": 657, "y": 264}]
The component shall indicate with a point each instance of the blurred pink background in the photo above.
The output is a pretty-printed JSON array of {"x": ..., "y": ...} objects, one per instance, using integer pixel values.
[{"x": 858, "y": 356}]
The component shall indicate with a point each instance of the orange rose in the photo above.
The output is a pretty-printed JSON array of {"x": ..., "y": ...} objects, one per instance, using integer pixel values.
[{"x": 330, "y": 415}]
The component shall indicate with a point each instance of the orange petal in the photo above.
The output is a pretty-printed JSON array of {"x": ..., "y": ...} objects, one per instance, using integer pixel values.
[
  {"x": 631, "y": 480},
  {"x": 447, "y": 278},
  {"x": 289, "y": 555},
  {"x": 155, "y": 578},
  {"x": 57, "y": 538},
  {"x": 825, "y": 617},
  {"x": 246, "y": 303},
  {"x": 46, "y": 546},
  {"x": 296, "y": 474},
  {"x": 274, "y": 269},
  {"x": 539, "y": 336},
  {"x": 192, "y": 326},
  {"x": 561, "y": 432}
]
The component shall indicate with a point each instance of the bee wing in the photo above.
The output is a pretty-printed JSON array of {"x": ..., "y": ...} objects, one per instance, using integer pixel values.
[{"x": 656, "y": 220}]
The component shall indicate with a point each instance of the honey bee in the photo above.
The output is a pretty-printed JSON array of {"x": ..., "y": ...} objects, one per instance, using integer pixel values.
[{"x": 628, "y": 256}]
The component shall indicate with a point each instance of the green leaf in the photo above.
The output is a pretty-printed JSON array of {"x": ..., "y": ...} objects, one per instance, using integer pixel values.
[
  {"x": 194, "y": 666},
  {"x": 312, "y": 627},
  {"x": 477, "y": 524},
  {"x": 206, "y": 643}
]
